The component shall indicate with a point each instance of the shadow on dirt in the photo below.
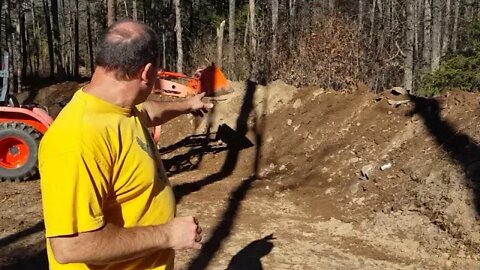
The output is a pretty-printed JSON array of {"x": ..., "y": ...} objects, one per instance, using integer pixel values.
[
  {"x": 230, "y": 162},
  {"x": 460, "y": 147},
  {"x": 249, "y": 257},
  {"x": 26, "y": 257},
  {"x": 199, "y": 145},
  {"x": 40, "y": 226},
  {"x": 222, "y": 230},
  {"x": 37, "y": 261},
  {"x": 225, "y": 139}
]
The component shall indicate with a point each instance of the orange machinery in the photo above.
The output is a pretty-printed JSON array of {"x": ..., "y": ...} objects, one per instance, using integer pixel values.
[
  {"x": 210, "y": 80},
  {"x": 21, "y": 127}
]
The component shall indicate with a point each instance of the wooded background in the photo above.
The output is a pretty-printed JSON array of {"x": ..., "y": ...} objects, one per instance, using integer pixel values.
[{"x": 330, "y": 43}]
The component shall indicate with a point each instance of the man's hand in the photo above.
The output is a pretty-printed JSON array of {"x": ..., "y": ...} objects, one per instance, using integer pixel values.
[
  {"x": 184, "y": 233},
  {"x": 160, "y": 112},
  {"x": 197, "y": 106}
]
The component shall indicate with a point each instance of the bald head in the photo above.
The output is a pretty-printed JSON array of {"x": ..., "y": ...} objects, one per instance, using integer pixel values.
[{"x": 126, "y": 47}]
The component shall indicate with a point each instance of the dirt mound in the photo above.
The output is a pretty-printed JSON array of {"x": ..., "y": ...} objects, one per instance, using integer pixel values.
[{"x": 413, "y": 194}]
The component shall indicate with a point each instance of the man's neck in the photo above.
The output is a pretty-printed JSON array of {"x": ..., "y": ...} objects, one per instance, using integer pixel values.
[{"x": 105, "y": 86}]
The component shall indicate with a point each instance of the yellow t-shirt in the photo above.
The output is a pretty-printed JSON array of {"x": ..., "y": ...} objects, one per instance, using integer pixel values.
[{"x": 98, "y": 164}]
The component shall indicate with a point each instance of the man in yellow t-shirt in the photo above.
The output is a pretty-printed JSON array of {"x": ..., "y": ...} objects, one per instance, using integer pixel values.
[{"x": 107, "y": 202}]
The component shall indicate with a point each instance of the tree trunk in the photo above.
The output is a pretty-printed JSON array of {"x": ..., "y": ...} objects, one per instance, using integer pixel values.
[
  {"x": 360, "y": 14},
  {"x": 253, "y": 28},
  {"x": 23, "y": 43},
  {"x": 178, "y": 30},
  {"x": 409, "y": 67},
  {"x": 436, "y": 34},
  {"x": 90, "y": 39},
  {"x": 372, "y": 20},
  {"x": 331, "y": 6},
  {"x": 1, "y": 34},
  {"x": 77, "y": 43},
  {"x": 67, "y": 45},
  {"x": 111, "y": 16},
  {"x": 380, "y": 26},
  {"x": 220, "y": 31},
  {"x": 274, "y": 29},
  {"x": 469, "y": 13},
  {"x": 56, "y": 37},
  {"x": 247, "y": 27},
  {"x": 427, "y": 37},
  {"x": 455, "y": 24},
  {"x": 134, "y": 10},
  {"x": 126, "y": 8},
  {"x": 10, "y": 36},
  {"x": 48, "y": 27},
  {"x": 231, "y": 32},
  {"x": 446, "y": 28},
  {"x": 36, "y": 43},
  {"x": 144, "y": 11},
  {"x": 419, "y": 13},
  {"x": 292, "y": 24},
  {"x": 164, "y": 50},
  {"x": 18, "y": 46}
]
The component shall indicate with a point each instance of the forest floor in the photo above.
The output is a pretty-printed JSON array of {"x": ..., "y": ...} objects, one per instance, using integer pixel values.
[{"x": 306, "y": 179}]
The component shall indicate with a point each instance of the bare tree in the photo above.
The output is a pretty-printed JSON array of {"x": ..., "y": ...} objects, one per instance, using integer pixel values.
[
  {"x": 419, "y": 12},
  {"x": 446, "y": 27},
  {"x": 231, "y": 31},
  {"x": 274, "y": 28},
  {"x": 22, "y": 36},
  {"x": 48, "y": 27},
  {"x": 77, "y": 42},
  {"x": 372, "y": 20},
  {"x": 409, "y": 65},
  {"x": 36, "y": 34},
  {"x": 247, "y": 28},
  {"x": 253, "y": 28},
  {"x": 90, "y": 39},
  {"x": 125, "y": 7},
  {"x": 427, "y": 37},
  {"x": 220, "y": 31},
  {"x": 56, "y": 38},
  {"x": 291, "y": 23},
  {"x": 18, "y": 56},
  {"x": 178, "y": 30},
  {"x": 455, "y": 24},
  {"x": 134, "y": 10},
  {"x": 436, "y": 34},
  {"x": 331, "y": 5},
  {"x": 111, "y": 16},
  {"x": 360, "y": 13}
]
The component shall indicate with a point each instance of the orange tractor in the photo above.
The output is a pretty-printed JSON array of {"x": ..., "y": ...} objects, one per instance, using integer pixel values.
[{"x": 21, "y": 128}]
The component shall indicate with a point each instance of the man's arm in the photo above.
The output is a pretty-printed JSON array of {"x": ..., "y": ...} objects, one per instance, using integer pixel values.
[
  {"x": 160, "y": 112},
  {"x": 113, "y": 244}
]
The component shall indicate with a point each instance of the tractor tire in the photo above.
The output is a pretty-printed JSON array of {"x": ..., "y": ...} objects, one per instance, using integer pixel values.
[{"x": 18, "y": 151}]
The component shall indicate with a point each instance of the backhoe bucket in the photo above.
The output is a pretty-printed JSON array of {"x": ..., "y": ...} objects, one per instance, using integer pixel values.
[{"x": 211, "y": 80}]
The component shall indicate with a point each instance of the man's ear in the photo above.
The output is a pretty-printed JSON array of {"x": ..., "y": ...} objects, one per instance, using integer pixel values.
[{"x": 145, "y": 72}]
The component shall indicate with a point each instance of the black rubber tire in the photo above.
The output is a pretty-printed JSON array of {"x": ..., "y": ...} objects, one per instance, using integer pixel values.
[{"x": 32, "y": 139}]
